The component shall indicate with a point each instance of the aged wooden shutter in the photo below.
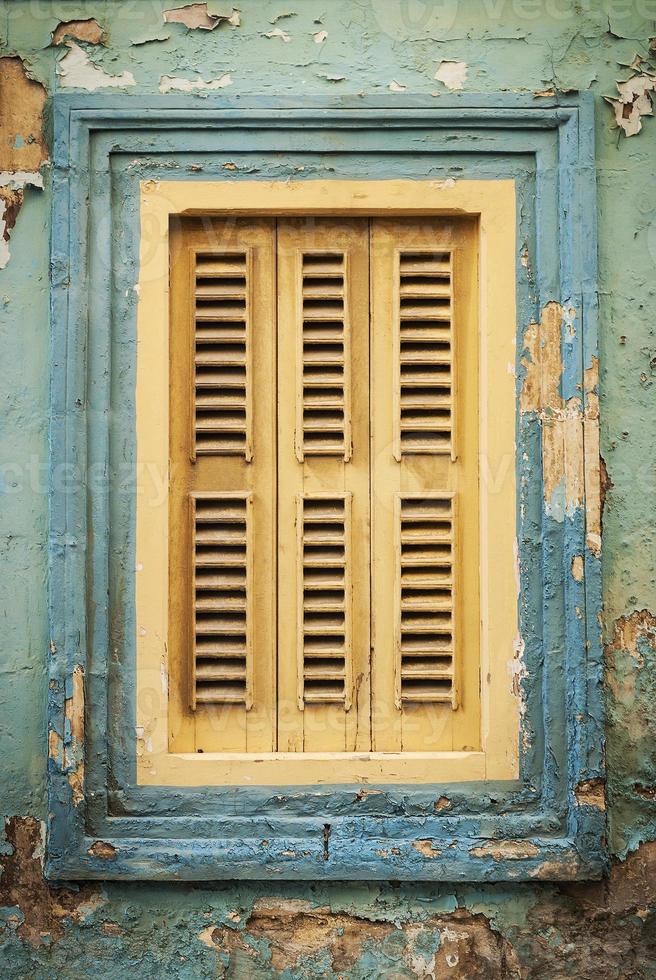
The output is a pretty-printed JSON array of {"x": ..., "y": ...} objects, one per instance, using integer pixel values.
[
  {"x": 222, "y": 485},
  {"x": 424, "y": 484},
  {"x": 323, "y": 488},
  {"x": 324, "y": 499}
]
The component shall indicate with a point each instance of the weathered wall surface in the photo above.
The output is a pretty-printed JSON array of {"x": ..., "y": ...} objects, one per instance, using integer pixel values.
[{"x": 303, "y": 49}]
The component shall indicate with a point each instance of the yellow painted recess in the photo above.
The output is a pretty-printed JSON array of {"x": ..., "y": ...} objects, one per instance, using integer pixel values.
[{"x": 168, "y": 730}]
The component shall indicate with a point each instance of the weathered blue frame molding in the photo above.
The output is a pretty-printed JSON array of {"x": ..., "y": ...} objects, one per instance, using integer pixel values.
[{"x": 549, "y": 823}]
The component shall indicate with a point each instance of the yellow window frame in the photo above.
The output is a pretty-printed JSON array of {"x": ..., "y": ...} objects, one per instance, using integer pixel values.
[{"x": 493, "y": 202}]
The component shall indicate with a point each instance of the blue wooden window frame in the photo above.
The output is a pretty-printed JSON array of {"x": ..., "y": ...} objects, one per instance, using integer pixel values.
[{"x": 548, "y": 823}]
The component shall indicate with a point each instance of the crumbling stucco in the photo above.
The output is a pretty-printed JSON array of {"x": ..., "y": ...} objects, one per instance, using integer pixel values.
[
  {"x": 22, "y": 138},
  {"x": 23, "y": 150},
  {"x": 631, "y": 680},
  {"x": 295, "y": 934},
  {"x": 228, "y": 929},
  {"x": 34, "y": 912}
]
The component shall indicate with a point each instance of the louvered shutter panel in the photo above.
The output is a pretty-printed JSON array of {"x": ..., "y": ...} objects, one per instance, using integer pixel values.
[
  {"x": 424, "y": 382},
  {"x": 223, "y": 387},
  {"x": 323, "y": 424},
  {"x": 222, "y": 485},
  {"x": 323, "y": 492},
  {"x": 324, "y": 552},
  {"x": 222, "y": 596},
  {"x": 425, "y": 351},
  {"x": 325, "y": 597},
  {"x": 425, "y": 601}
]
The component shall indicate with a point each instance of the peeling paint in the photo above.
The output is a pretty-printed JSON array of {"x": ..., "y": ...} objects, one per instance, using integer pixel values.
[
  {"x": 452, "y": 74},
  {"x": 278, "y": 32},
  {"x": 635, "y": 97},
  {"x": 554, "y": 870},
  {"x": 79, "y": 30},
  {"x": 196, "y": 16},
  {"x": 18, "y": 179},
  {"x": 11, "y": 201},
  {"x": 102, "y": 849},
  {"x": 169, "y": 84},
  {"x": 427, "y": 848},
  {"x": 513, "y": 850},
  {"x": 543, "y": 366},
  {"x": 66, "y": 750},
  {"x": 23, "y": 149},
  {"x": 76, "y": 70},
  {"x": 151, "y": 38},
  {"x": 577, "y": 568},
  {"x": 570, "y": 427}
]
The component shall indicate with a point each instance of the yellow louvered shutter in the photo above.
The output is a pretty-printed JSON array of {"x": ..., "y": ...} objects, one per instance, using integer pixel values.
[
  {"x": 324, "y": 498},
  {"x": 222, "y": 485},
  {"x": 323, "y": 485},
  {"x": 425, "y": 550}
]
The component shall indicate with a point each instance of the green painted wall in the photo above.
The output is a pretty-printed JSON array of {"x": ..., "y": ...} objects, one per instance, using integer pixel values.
[{"x": 344, "y": 930}]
